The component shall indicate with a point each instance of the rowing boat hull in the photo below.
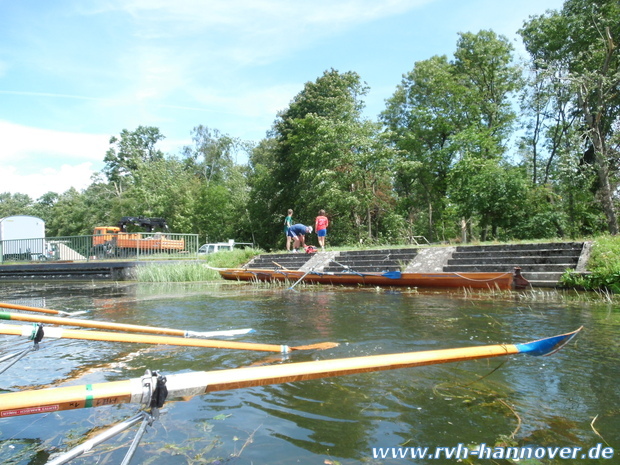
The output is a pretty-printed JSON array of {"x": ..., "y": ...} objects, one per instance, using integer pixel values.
[{"x": 431, "y": 280}]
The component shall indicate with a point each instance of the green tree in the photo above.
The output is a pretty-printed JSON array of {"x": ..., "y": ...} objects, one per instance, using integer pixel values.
[
  {"x": 213, "y": 154},
  {"x": 15, "y": 204},
  {"x": 128, "y": 155},
  {"x": 327, "y": 156},
  {"x": 490, "y": 192},
  {"x": 445, "y": 111},
  {"x": 422, "y": 118},
  {"x": 579, "y": 44},
  {"x": 264, "y": 212},
  {"x": 483, "y": 65},
  {"x": 72, "y": 215},
  {"x": 164, "y": 189}
]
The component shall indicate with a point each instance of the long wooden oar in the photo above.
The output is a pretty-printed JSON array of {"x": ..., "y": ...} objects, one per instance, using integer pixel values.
[
  {"x": 118, "y": 326},
  {"x": 187, "y": 385},
  {"x": 61, "y": 333},
  {"x": 38, "y": 309}
]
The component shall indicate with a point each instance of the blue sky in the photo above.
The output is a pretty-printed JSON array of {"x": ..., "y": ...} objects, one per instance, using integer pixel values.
[{"x": 73, "y": 73}]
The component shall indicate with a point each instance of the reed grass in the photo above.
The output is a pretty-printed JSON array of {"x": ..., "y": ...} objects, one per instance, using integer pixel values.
[
  {"x": 177, "y": 272},
  {"x": 193, "y": 271}
]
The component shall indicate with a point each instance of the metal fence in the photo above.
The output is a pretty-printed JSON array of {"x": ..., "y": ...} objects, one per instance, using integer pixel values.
[{"x": 137, "y": 246}]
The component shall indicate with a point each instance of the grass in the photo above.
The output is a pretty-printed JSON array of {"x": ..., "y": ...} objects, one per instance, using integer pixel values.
[
  {"x": 194, "y": 271},
  {"x": 603, "y": 267}
]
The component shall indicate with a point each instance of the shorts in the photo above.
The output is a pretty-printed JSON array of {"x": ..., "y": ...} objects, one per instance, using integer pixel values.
[
  {"x": 321, "y": 232},
  {"x": 290, "y": 233}
]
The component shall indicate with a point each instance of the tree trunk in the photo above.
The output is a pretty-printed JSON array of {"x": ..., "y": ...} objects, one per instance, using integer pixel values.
[
  {"x": 602, "y": 170},
  {"x": 463, "y": 230},
  {"x": 594, "y": 108},
  {"x": 593, "y": 121}
]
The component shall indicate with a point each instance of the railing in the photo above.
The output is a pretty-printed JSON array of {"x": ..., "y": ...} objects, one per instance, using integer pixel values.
[{"x": 137, "y": 246}]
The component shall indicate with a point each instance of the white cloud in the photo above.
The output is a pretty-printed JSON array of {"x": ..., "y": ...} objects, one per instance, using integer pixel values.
[
  {"x": 250, "y": 32},
  {"x": 19, "y": 142},
  {"x": 36, "y": 184},
  {"x": 36, "y": 161}
]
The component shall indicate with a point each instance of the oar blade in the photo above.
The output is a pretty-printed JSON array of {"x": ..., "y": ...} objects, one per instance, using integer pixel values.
[
  {"x": 317, "y": 346},
  {"x": 70, "y": 314},
  {"x": 222, "y": 333},
  {"x": 547, "y": 346}
]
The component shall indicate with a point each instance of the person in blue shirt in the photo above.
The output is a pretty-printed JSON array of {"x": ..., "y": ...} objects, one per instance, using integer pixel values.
[{"x": 298, "y": 233}]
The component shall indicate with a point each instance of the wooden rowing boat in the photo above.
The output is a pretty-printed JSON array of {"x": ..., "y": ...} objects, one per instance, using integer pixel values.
[{"x": 507, "y": 280}]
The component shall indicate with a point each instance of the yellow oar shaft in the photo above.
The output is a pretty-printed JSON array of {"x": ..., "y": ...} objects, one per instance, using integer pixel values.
[
  {"x": 90, "y": 324},
  {"x": 191, "y": 384},
  {"x": 55, "y": 332},
  {"x": 30, "y": 309}
]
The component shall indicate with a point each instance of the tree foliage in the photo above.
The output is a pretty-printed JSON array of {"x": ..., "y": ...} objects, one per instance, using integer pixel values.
[
  {"x": 439, "y": 162},
  {"x": 578, "y": 47}
]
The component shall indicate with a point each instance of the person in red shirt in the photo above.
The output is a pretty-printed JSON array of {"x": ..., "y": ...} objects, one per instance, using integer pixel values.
[{"x": 320, "y": 225}]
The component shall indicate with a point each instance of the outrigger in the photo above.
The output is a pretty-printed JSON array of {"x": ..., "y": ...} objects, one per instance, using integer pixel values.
[{"x": 153, "y": 389}]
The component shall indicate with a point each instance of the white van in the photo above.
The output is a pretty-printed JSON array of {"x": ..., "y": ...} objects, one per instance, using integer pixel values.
[{"x": 220, "y": 246}]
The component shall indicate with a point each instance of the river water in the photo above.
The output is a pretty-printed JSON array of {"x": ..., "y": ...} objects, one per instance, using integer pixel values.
[{"x": 569, "y": 399}]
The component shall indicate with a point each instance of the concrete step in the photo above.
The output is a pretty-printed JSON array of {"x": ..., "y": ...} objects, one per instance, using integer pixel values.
[
  {"x": 529, "y": 246},
  {"x": 518, "y": 253},
  {"x": 364, "y": 262},
  {"x": 292, "y": 261},
  {"x": 383, "y": 252},
  {"x": 569, "y": 262},
  {"x": 498, "y": 267},
  {"x": 364, "y": 269},
  {"x": 542, "y": 279},
  {"x": 405, "y": 258}
]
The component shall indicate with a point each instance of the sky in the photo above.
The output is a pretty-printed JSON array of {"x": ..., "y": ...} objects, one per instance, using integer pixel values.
[{"x": 74, "y": 73}]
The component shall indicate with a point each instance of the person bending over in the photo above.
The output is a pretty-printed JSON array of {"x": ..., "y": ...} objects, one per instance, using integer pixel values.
[{"x": 298, "y": 233}]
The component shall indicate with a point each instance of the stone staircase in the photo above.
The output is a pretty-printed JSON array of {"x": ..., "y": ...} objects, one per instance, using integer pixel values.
[
  {"x": 542, "y": 264},
  {"x": 290, "y": 261},
  {"x": 364, "y": 261}
]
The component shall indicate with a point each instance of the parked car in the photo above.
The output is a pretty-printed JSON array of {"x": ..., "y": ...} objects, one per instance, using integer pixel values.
[{"x": 220, "y": 246}]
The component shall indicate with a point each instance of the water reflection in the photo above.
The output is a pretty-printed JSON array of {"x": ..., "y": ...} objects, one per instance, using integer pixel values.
[{"x": 526, "y": 400}]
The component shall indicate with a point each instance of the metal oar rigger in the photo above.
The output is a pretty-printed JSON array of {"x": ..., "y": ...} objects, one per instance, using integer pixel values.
[
  {"x": 186, "y": 385},
  {"x": 35, "y": 335}
]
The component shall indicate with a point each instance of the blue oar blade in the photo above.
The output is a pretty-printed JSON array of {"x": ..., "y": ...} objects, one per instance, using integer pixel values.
[
  {"x": 546, "y": 346},
  {"x": 392, "y": 274}
]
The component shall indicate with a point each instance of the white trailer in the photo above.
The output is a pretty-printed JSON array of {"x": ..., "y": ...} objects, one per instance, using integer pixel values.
[{"x": 22, "y": 237}]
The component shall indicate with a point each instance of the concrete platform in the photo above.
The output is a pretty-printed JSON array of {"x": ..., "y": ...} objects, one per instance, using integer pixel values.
[{"x": 58, "y": 271}]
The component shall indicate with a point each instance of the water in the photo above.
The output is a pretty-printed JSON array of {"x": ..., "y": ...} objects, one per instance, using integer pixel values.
[{"x": 517, "y": 400}]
